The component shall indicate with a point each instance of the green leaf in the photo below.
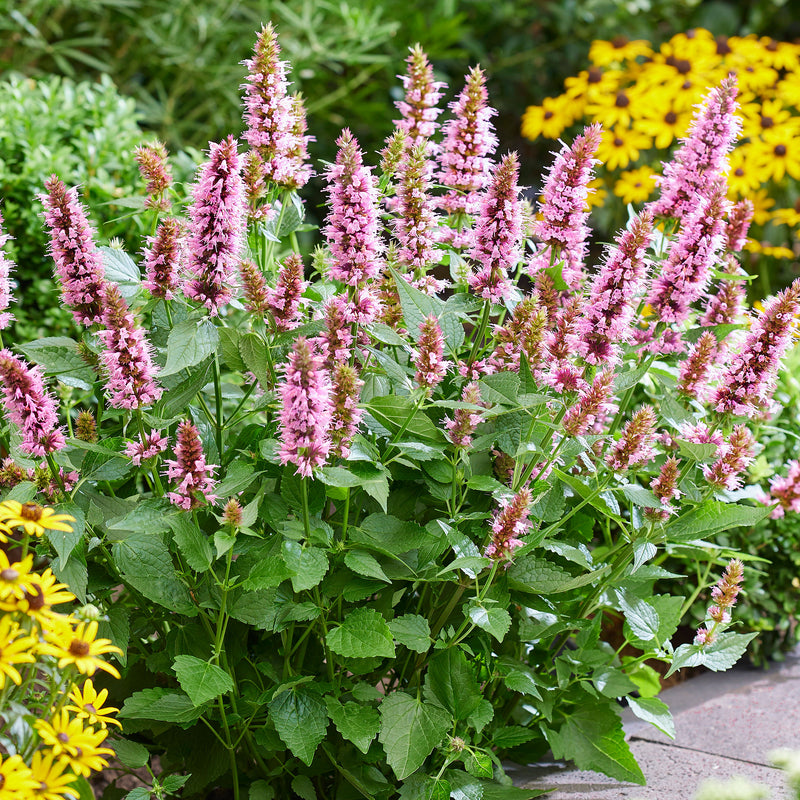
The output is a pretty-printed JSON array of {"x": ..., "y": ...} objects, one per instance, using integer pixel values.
[
  {"x": 200, "y": 680},
  {"x": 139, "y": 793},
  {"x": 363, "y": 563},
  {"x": 674, "y": 413},
  {"x": 161, "y": 705},
  {"x": 698, "y": 451},
  {"x": 640, "y": 616},
  {"x": 189, "y": 343},
  {"x": 301, "y": 719},
  {"x": 59, "y": 357},
  {"x": 339, "y": 477},
  {"x": 627, "y": 380},
  {"x": 253, "y": 350},
  {"x": 640, "y": 496},
  {"x": 722, "y": 654},
  {"x": 451, "y": 680},
  {"x": 131, "y": 754},
  {"x": 612, "y": 682},
  {"x": 267, "y": 572},
  {"x": 603, "y": 501},
  {"x": 229, "y": 349},
  {"x": 478, "y": 763},
  {"x": 410, "y": 729},
  {"x": 647, "y": 680},
  {"x": 469, "y": 564},
  {"x": 307, "y": 565},
  {"x": 363, "y": 634},
  {"x": 511, "y": 736},
  {"x": 481, "y": 716},
  {"x": 121, "y": 269},
  {"x": 191, "y": 541},
  {"x": 146, "y": 564},
  {"x": 593, "y": 738},
  {"x": 393, "y": 412},
  {"x": 501, "y": 388},
  {"x": 413, "y": 631},
  {"x": 416, "y": 305},
  {"x": 261, "y": 790},
  {"x": 65, "y": 542},
  {"x": 303, "y": 788},
  {"x": 493, "y": 619},
  {"x": 715, "y": 516},
  {"x": 188, "y": 383},
  {"x": 537, "y": 576},
  {"x": 373, "y": 479},
  {"x": 358, "y": 724},
  {"x": 520, "y": 679},
  {"x": 654, "y": 711},
  {"x": 74, "y": 573},
  {"x": 172, "y": 783}
]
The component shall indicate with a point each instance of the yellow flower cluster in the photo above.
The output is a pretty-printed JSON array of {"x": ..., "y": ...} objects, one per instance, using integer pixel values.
[
  {"x": 47, "y": 659},
  {"x": 644, "y": 98}
]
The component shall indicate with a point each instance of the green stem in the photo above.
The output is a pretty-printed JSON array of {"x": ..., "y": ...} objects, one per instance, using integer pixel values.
[
  {"x": 482, "y": 325},
  {"x": 219, "y": 423}
]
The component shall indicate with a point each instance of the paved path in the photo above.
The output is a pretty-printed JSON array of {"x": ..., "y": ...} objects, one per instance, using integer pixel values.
[{"x": 726, "y": 724}]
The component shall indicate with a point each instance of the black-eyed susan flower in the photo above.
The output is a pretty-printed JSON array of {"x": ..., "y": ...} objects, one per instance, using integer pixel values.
[
  {"x": 635, "y": 185},
  {"x": 16, "y": 647},
  {"x": 779, "y": 153},
  {"x": 88, "y": 705},
  {"x": 14, "y": 576},
  {"x": 662, "y": 122},
  {"x": 42, "y": 593},
  {"x": 79, "y": 646},
  {"x": 549, "y": 119},
  {"x": 16, "y": 779},
  {"x": 763, "y": 117},
  {"x": 51, "y": 776},
  {"x": 619, "y": 49},
  {"x": 786, "y": 216},
  {"x": 620, "y": 147},
  {"x": 65, "y": 736},
  {"x": 744, "y": 175},
  {"x": 33, "y": 518},
  {"x": 90, "y": 757},
  {"x": 590, "y": 85}
]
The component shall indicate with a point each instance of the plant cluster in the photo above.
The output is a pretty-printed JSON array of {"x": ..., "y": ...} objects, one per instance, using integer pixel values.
[
  {"x": 359, "y": 525},
  {"x": 53, "y": 720},
  {"x": 644, "y": 97}
]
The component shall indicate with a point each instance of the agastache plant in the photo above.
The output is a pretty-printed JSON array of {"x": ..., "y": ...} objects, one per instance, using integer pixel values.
[{"x": 6, "y": 268}]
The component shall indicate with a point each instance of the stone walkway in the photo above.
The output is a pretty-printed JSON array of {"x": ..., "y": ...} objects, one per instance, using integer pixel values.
[{"x": 726, "y": 724}]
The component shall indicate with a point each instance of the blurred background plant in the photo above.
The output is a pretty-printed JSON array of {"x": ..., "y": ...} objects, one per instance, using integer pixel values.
[{"x": 644, "y": 96}]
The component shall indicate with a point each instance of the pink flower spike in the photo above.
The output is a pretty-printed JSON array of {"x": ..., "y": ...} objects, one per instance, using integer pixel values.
[
  {"x": 78, "y": 263},
  {"x": 703, "y": 155},
  {"x": 593, "y": 403},
  {"x": 562, "y": 228},
  {"x": 697, "y": 369},
  {"x": 164, "y": 258},
  {"x": 464, "y": 422},
  {"x": 353, "y": 229},
  {"x": 786, "y": 490},
  {"x": 306, "y": 409},
  {"x": 430, "y": 364},
  {"x": 665, "y": 488},
  {"x": 195, "y": 478},
  {"x": 216, "y": 228},
  {"x": 336, "y": 341},
  {"x": 737, "y": 455},
  {"x": 6, "y": 268},
  {"x": 737, "y": 225},
  {"x": 418, "y": 108},
  {"x": 29, "y": 406},
  {"x": 346, "y": 415},
  {"x": 127, "y": 356},
  {"x": 469, "y": 142},
  {"x": 524, "y": 333},
  {"x": 284, "y": 300},
  {"x": 144, "y": 449},
  {"x": 497, "y": 239},
  {"x": 635, "y": 448},
  {"x": 155, "y": 169},
  {"x": 509, "y": 525},
  {"x": 254, "y": 288}
]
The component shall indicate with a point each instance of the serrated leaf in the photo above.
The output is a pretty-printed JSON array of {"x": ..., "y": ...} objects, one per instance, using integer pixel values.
[
  {"x": 303, "y": 787},
  {"x": 512, "y": 736},
  {"x": 640, "y": 496},
  {"x": 261, "y": 790},
  {"x": 640, "y": 616},
  {"x": 160, "y": 705},
  {"x": 593, "y": 738},
  {"x": 416, "y": 305},
  {"x": 363, "y": 634},
  {"x": 413, "y": 631},
  {"x": 410, "y": 729},
  {"x": 253, "y": 350},
  {"x": 654, "y": 711},
  {"x": 229, "y": 349},
  {"x": 363, "y": 563},
  {"x": 626, "y": 380},
  {"x": 722, "y": 654},
  {"x": 65, "y": 542},
  {"x": 266, "y": 573},
  {"x": 451, "y": 680},
  {"x": 121, "y": 269},
  {"x": 698, "y": 451},
  {"x": 393, "y": 412},
  {"x": 301, "y": 719},
  {"x": 59, "y": 357},
  {"x": 537, "y": 575},
  {"x": 501, "y": 388},
  {"x": 191, "y": 541},
  {"x": 358, "y": 724},
  {"x": 307, "y": 565},
  {"x": 200, "y": 680},
  {"x": 189, "y": 343},
  {"x": 131, "y": 754},
  {"x": 715, "y": 516},
  {"x": 493, "y": 619},
  {"x": 188, "y": 383}
]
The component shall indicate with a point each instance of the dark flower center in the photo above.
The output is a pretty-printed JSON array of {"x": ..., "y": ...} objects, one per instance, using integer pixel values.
[
  {"x": 618, "y": 142},
  {"x": 670, "y": 118},
  {"x": 618, "y": 42},
  {"x": 62, "y": 737},
  {"x": 35, "y": 600},
  {"x": 683, "y": 65},
  {"x": 772, "y": 45},
  {"x": 548, "y": 114},
  {"x": 738, "y": 172},
  {"x": 622, "y": 101},
  {"x": 780, "y": 150},
  {"x": 723, "y": 48},
  {"x": 595, "y": 75},
  {"x": 78, "y": 647},
  {"x": 767, "y": 122},
  {"x": 31, "y": 512},
  {"x": 90, "y": 708},
  {"x": 9, "y": 575}
]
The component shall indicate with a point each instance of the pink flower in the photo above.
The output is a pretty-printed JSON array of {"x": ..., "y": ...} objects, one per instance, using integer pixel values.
[
  {"x": 284, "y": 300},
  {"x": 216, "y": 228},
  {"x": 164, "y": 258},
  {"x": 691, "y": 258},
  {"x": 465, "y": 420},
  {"x": 736, "y": 455},
  {"x": 702, "y": 434},
  {"x": 336, "y": 340},
  {"x": 346, "y": 415},
  {"x": 703, "y": 154},
  {"x": 430, "y": 364},
  {"x": 593, "y": 403},
  {"x": 275, "y": 121},
  {"x": 469, "y": 142},
  {"x": 697, "y": 369},
  {"x": 422, "y": 93},
  {"x": 254, "y": 287},
  {"x": 786, "y": 490},
  {"x": 563, "y": 229},
  {"x": 78, "y": 262},
  {"x": 127, "y": 356},
  {"x": 497, "y": 238},
  {"x": 727, "y": 305},
  {"x": 155, "y": 169},
  {"x": 143, "y": 449},
  {"x": 635, "y": 448},
  {"x": 29, "y": 406},
  {"x": 510, "y": 523},
  {"x": 195, "y": 478},
  {"x": 665, "y": 488},
  {"x": 306, "y": 409},
  {"x": 738, "y": 223},
  {"x": 6, "y": 267},
  {"x": 724, "y": 595},
  {"x": 606, "y": 321},
  {"x": 749, "y": 381},
  {"x": 353, "y": 224},
  {"x": 524, "y": 333}
]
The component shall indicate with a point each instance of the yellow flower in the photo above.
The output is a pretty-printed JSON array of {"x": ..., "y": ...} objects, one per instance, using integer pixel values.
[
  {"x": 662, "y": 122},
  {"x": 612, "y": 111},
  {"x": 778, "y": 153},
  {"x": 745, "y": 174},
  {"x": 63, "y": 735},
  {"x": 15, "y": 648},
  {"x": 762, "y": 117},
  {"x": 79, "y": 646},
  {"x": 602, "y": 53},
  {"x": 755, "y": 77},
  {"x": 619, "y": 147},
  {"x": 5, "y": 532},
  {"x": 89, "y": 705},
  {"x": 16, "y": 780},
  {"x": 590, "y": 86},
  {"x": 786, "y": 216},
  {"x": 548, "y": 119},
  {"x": 789, "y": 89},
  {"x": 33, "y": 518},
  {"x": 781, "y": 55},
  {"x": 767, "y": 249},
  {"x": 597, "y": 194},
  {"x": 636, "y": 185},
  {"x": 14, "y": 577},
  {"x": 41, "y": 594},
  {"x": 762, "y": 203},
  {"x": 53, "y": 784}
]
